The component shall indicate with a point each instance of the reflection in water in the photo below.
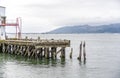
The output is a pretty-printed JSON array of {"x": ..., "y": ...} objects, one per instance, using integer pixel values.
[
  {"x": 1, "y": 69},
  {"x": 82, "y": 62},
  {"x": 19, "y": 59},
  {"x": 63, "y": 61},
  {"x": 12, "y": 66}
]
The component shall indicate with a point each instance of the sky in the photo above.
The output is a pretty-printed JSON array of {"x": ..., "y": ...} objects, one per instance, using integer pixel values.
[{"x": 46, "y": 15}]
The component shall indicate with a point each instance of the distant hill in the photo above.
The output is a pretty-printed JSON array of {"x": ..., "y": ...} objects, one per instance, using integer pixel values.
[{"x": 111, "y": 28}]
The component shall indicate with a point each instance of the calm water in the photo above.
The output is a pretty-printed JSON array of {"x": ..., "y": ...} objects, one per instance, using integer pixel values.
[{"x": 103, "y": 59}]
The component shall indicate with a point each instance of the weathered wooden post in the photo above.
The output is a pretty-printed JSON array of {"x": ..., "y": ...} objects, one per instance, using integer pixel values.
[
  {"x": 84, "y": 52},
  {"x": 63, "y": 52},
  {"x": 54, "y": 52},
  {"x": 71, "y": 53},
  {"x": 3, "y": 48},
  {"x": 0, "y": 47},
  {"x": 14, "y": 48},
  {"x": 23, "y": 50},
  {"x": 20, "y": 50},
  {"x": 11, "y": 49},
  {"x": 51, "y": 52},
  {"x": 37, "y": 52},
  {"x": 47, "y": 52},
  {"x": 17, "y": 49},
  {"x": 26, "y": 51},
  {"x": 80, "y": 54},
  {"x": 41, "y": 53},
  {"x": 33, "y": 52},
  {"x": 8, "y": 48}
]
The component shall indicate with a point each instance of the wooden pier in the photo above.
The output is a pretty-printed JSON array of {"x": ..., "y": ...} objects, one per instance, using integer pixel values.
[{"x": 40, "y": 48}]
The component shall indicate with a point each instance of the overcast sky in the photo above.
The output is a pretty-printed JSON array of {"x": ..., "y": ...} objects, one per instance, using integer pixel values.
[{"x": 46, "y": 15}]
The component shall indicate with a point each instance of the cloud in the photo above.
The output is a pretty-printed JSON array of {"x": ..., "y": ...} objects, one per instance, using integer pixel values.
[
  {"x": 76, "y": 9},
  {"x": 49, "y": 14}
]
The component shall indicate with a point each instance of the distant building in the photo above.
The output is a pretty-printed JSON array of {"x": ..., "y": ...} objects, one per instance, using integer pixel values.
[{"x": 2, "y": 23}]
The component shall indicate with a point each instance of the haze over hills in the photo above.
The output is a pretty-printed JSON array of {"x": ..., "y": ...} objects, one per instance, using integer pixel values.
[{"x": 111, "y": 28}]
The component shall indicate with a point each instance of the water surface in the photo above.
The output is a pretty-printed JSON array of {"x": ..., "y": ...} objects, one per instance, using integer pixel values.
[{"x": 103, "y": 54}]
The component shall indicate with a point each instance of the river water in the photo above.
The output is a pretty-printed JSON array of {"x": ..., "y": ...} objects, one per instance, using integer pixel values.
[{"x": 103, "y": 59}]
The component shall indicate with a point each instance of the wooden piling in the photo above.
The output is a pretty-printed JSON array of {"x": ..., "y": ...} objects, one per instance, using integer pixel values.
[
  {"x": 11, "y": 49},
  {"x": 33, "y": 52},
  {"x": 53, "y": 52},
  {"x": 63, "y": 52},
  {"x": 80, "y": 54},
  {"x": 23, "y": 50},
  {"x": 8, "y": 48},
  {"x": 71, "y": 53},
  {"x": 84, "y": 52},
  {"x": 46, "y": 52},
  {"x": 3, "y": 47},
  {"x": 17, "y": 49},
  {"x": 37, "y": 52},
  {"x": 0, "y": 47},
  {"x": 27, "y": 50},
  {"x": 41, "y": 53}
]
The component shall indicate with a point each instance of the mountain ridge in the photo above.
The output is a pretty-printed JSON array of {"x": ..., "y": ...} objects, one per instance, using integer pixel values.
[{"x": 111, "y": 28}]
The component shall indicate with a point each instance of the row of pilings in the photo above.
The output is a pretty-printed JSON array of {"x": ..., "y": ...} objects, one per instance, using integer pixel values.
[
  {"x": 31, "y": 51},
  {"x": 82, "y": 52}
]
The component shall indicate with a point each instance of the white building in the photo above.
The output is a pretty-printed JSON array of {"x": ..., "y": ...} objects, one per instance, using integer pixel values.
[{"x": 2, "y": 23}]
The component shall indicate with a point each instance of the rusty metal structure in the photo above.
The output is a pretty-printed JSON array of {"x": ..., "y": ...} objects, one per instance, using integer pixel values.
[
  {"x": 4, "y": 23},
  {"x": 18, "y": 25}
]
